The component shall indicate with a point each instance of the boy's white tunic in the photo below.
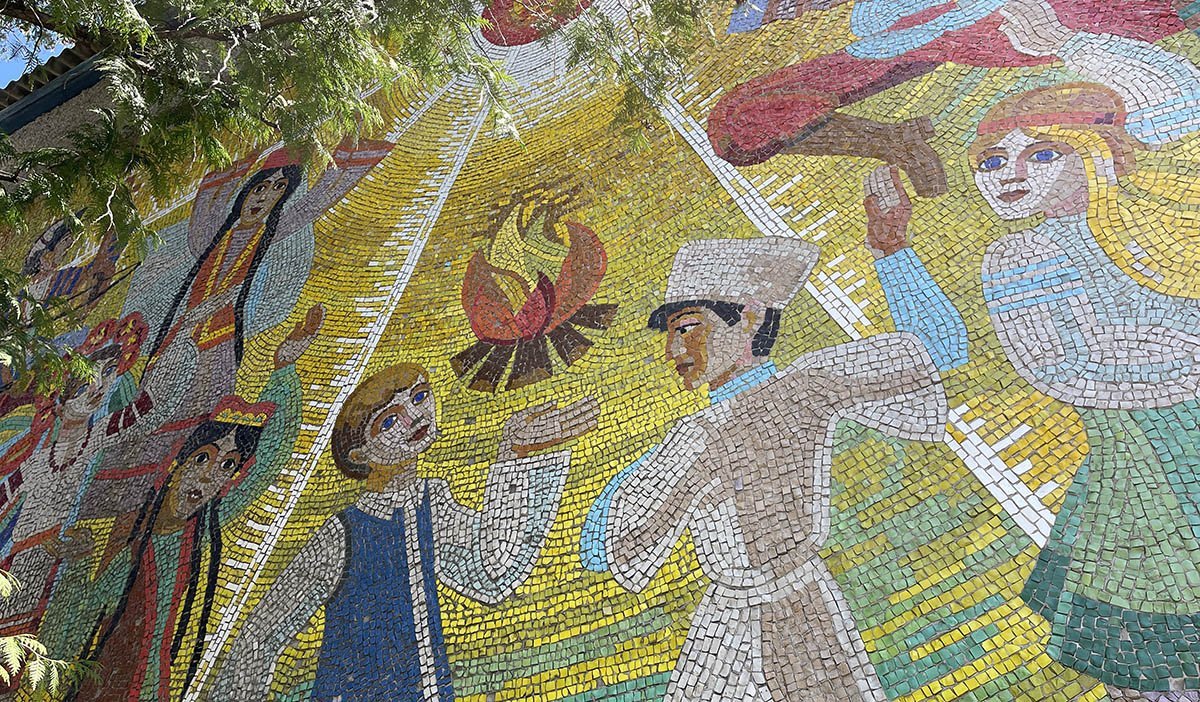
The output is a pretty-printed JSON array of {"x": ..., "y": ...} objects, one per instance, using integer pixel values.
[{"x": 771, "y": 627}]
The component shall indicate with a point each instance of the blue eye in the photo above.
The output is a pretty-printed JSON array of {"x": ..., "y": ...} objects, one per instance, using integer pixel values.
[
  {"x": 992, "y": 163},
  {"x": 420, "y": 397},
  {"x": 388, "y": 422},
  {"x": 1045, "y": 156}
]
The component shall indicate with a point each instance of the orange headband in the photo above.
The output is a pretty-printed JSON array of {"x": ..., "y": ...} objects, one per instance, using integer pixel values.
[{"x": 1061, "y": 119}]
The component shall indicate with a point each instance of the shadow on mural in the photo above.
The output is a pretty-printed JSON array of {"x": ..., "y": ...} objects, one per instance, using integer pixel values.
[{"x": 875, "y": 376}]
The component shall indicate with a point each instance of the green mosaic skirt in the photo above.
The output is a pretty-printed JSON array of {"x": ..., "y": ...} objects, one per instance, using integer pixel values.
[{"x": 1119, "y": 579}]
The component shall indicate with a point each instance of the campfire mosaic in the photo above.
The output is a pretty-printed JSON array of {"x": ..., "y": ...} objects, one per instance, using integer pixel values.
[{"x": 874, "y": 376}]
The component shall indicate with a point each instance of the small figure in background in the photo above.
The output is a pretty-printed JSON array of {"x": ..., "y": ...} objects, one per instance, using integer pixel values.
[{"x": 42, "y": 473}]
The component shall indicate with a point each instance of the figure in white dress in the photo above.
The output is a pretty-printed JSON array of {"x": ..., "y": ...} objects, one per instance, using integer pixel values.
[{"x": 750, "y": 477}]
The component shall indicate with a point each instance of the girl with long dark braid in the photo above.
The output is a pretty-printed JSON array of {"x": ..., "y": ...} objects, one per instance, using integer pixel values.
[
  {"x": 208, "y": 312},
  {"x": 166, "y": 542},
  {"x": 154, "y": 594}
]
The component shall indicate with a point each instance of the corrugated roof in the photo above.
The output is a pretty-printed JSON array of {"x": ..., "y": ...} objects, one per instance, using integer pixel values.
[{"x": 41, "y": 76}]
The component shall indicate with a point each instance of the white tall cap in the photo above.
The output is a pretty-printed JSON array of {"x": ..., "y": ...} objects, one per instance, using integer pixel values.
[{"x": 769, "y": 270}]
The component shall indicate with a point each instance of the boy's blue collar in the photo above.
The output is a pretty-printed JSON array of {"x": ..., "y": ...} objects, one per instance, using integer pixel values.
[{"x": 746, "y": 381}]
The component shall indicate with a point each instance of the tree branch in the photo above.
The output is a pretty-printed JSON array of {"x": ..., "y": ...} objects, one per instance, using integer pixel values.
[
  {"x": 239, "y": 31},
  {"x": 24, "y": 12}
]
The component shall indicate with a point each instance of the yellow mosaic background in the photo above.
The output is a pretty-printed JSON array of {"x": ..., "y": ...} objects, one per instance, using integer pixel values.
[{"x": 573, "y": 635}]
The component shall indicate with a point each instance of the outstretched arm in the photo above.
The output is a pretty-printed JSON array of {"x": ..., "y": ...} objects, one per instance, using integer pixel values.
[
  {"x": 593, "y": 549},
  {"x": 307, "y": 582},
  {"x": 275, "y": 446},
  {"x": 1048, "y": 326},
  {"x": 651, "y": 504},
  {"x": 486, "y": 555},
  {"x": 350, "y": 164},
  {"x": 284, "y": 390},
  {"x": 885, "y": 381}
]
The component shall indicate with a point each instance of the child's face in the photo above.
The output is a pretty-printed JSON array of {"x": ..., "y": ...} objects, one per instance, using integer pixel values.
[
  {"x": 1020, "y": 176},
  {"x": 402, "y": 429},
  {"x": 202, "y": 475},
  {"x": 82, "y": 399}
]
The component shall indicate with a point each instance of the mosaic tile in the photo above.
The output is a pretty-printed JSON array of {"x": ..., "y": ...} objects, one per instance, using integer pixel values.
[{"x": 873, "y": 376}]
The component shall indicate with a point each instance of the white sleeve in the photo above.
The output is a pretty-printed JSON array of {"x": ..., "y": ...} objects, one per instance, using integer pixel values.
[
  {"x": 653, "y": 505},
  {"x": 305, "y": 585},
  {"x": 487, "y": 554},
  {"x": 886, "y": 381},
  {"x": 1161, "y": 89}
]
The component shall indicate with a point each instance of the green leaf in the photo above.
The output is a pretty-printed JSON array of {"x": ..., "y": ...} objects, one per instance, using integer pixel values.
[
  {"x": 12, "y": 655},
  {"x": 8, "y": 583}
]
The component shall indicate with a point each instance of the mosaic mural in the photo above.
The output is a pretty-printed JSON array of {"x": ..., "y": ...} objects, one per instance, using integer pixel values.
[{"x": 875, "y": 375}]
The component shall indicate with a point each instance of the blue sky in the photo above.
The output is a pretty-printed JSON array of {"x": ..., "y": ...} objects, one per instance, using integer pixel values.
[{"x": 12, "y": 69}]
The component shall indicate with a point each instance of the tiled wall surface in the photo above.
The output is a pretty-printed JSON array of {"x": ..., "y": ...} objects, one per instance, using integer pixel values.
[{"x": 874, "y": 376}]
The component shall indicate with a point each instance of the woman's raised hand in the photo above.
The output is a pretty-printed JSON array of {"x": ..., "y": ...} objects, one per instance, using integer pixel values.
[
  {"x": 888, "y": 211},
  {"x": 301, "y": 337}
]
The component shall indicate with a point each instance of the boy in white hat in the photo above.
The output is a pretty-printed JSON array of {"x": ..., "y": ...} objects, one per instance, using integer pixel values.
[{"x": 750, "y": 475}]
